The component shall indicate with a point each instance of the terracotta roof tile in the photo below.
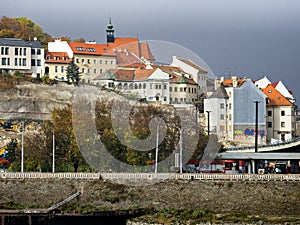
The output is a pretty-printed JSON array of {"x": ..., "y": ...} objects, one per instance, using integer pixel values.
[
  {"x": 275, "y": 97},
  {"x": 132, "y": 45},
  {"x": 229, "y": 82},
  {"x": 57, "y": 57},
  {"x": 90, "y": 49}
]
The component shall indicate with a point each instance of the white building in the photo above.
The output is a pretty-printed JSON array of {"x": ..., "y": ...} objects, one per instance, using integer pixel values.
[
  {"x": 198, "y": 73},
  {"x": 23, "y": 56},
  {"x": 232, "y": 117},
  {"x": 280, "y": 115}
]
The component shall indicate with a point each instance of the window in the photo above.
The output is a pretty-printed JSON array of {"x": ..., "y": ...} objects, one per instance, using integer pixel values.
[
  {"x": 32, "y": 51},
  {"x": 20, "y": 51},
  {"x": 150, "y": 86},
  {"x": 106, "y": 62},
  {"x": 282, "y": 124},
  {"x": 100, "y": 70},
  {"x": 282, "y": 113},
  {"x": 6, "y": 50},
  {"x": 165, "y": 98},
  {"x": 62, "y": 69},
  {"x": 24, "y": 62},
  {"x": 82, "y": 70},
  {"x": 88, "y": 71},
  {"x": 2, "y": 50},
  {"x": 24, "y": 51},
  {"x": 16, "y": 62},
  {"x": 269, "y": 113},
  {"x": 38, "y": 62},
  {"x": 95, "y": 62},
  {"x": 111, "y": 62},
  {"x": 100, "y": 61},
  {"x": 181, "y": 89},
  {"x": 175, "y": 89},
  {"x": 221, "y": 116},
  {"x": 229, "y": 106},
  {"x": 269, "y": 124},
  {"x": 77, "y": 60},
  {"x": 56, "y": 69},
  {"x": 95, "y": 70},
  {"x": 89, "y": 61},
  {"x": 170, "y": 89},
  {"x": 33, "y": 62},
  {"x": 229, "y": 116},
  {"x": 38, "y": 51},
  {"x": 82, "y": 61},
  {"x": 221, "y": 105},
  {"x": 3, "y": 61}
]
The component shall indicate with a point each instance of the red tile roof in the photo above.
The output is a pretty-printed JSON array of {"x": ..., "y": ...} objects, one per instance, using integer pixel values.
[
  {"x": 90, "y": 49},
  {"x": 229, "y": 82},
  {"x": 57, "y": 57},
  {"x": 132, "y": 45},
  {"x": 275, "y": 97}
]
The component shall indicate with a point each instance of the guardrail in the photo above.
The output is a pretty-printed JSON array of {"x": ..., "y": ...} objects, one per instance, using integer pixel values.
[
  {"x": 278, "y": 145},
  {"x": 153, "y": 176}
]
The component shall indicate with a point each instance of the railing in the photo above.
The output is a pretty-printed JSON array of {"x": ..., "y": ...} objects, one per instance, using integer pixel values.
[{"x": 153, "y": 176}]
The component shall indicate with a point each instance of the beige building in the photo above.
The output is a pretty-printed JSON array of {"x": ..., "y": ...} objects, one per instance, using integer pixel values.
[{"x": 56, "y": 64}]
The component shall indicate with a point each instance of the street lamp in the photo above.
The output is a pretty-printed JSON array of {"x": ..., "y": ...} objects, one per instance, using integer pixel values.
[
  {"x": 22, "y": 148},
  {"x": 53, "y": 152},
  {"x": 256, "y": 134},
  {"x": 208, "y": 122},
  {"x": 156, "y": 149}
]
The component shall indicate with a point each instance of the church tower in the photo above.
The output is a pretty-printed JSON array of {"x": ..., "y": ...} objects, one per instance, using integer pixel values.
[{"x": 110, "y": 38}]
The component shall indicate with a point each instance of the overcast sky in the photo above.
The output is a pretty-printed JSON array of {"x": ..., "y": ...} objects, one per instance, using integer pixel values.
[{"x": 251, "y": 38}]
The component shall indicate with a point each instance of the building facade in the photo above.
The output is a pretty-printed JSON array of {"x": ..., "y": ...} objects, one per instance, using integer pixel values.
[{"x": 23, "y": 56}]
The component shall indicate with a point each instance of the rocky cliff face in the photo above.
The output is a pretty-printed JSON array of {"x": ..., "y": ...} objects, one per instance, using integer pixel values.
[{"x": 34, "y": 101}]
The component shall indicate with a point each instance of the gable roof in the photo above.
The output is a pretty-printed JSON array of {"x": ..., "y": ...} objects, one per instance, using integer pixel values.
[
  {"x": 275, "y": 97},
  {"x": 132, "y": 45},
  {"x": 219, "y": 93},
  {"x": 194, "y": 65}
]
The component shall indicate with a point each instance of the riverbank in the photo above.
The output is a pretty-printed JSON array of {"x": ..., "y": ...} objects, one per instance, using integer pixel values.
[{"x": 165, "y": 202}]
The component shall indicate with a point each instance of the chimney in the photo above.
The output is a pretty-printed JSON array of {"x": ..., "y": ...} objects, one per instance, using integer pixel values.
[{"x": 234, "y": 81}]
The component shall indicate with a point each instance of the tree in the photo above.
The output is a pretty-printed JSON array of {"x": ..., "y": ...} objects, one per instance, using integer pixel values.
[
  {"x": 67, "y": 150},
  {"x": 13, "y": 155},
  {"x": 73, "y": 73}
]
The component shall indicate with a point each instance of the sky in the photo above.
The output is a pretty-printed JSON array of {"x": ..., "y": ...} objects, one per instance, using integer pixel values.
[{"x": 247, "y": 38}]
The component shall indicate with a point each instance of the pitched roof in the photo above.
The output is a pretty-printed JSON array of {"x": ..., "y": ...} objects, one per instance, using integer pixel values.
[
  {"x": 219, "y": 93},
  {"x": 57, "y": 57},
  {"x": 121, "y": 74},
  {"x": 143, "y": 74},
  {"x": 90, "y": 49},
  {"x": 229, "y": 82},
  {"x": 132, "y": 45},
  {"x": 194, "y": 65},
  {"x": 13, "y": 42},
  {"x": 275, "y": 97}
]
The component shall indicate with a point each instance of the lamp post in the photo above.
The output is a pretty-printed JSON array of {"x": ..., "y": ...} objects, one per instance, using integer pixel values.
[
  {"x": 156, "y": 149},
  {"x": 208, "y": 121},
  {"x": 53, "y": 152},
  {"x": 256, "y": 135},
  {"x": 22, "y": 148}
]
